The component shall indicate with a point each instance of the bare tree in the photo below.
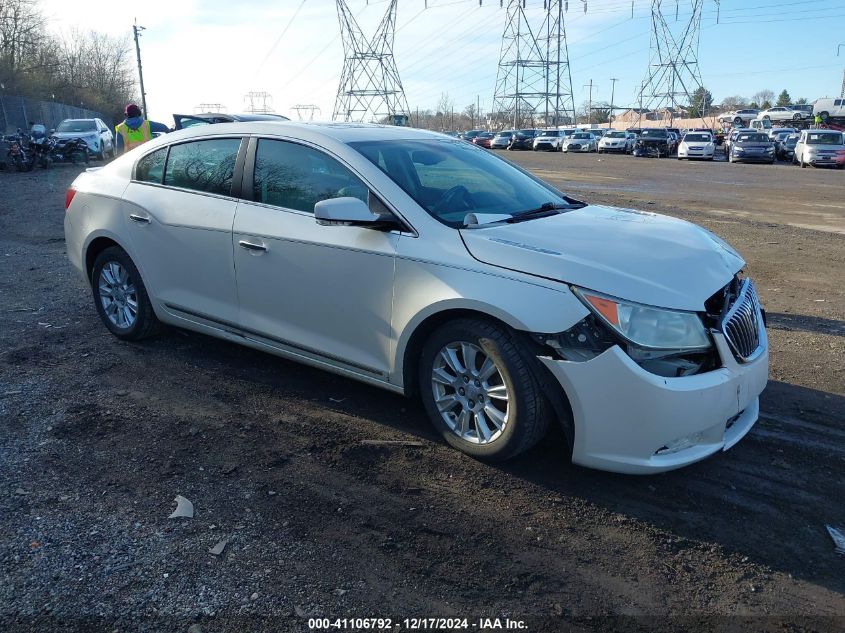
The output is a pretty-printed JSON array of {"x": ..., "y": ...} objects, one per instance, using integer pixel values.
[{"x": 87, "y": 68}]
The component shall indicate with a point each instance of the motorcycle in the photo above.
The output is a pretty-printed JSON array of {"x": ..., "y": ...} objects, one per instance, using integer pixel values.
[
  {"x": 42, "y": 151},
  {"x": 69, "y": 150},
  {"x": 18, "y": 154}
]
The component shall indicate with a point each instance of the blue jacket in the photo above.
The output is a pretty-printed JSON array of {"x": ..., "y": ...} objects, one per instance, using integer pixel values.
[{"x": 134, "y": 123}]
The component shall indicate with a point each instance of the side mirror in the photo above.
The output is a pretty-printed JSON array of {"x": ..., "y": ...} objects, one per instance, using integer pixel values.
[{"x": 348, "y": 211}]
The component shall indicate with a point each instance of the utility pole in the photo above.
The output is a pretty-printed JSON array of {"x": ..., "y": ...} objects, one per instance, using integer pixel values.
[
  {"x": 137, "y": 31},
  {"x": 477, "y": 109},
  {"x": 589, "y": 103},
  {"x": 842, "y": 92},
  {"x": 612, "y": 94}
]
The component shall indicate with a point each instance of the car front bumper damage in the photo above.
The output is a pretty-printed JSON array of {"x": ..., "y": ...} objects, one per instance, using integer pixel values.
[{"x": 631, "y": 421}]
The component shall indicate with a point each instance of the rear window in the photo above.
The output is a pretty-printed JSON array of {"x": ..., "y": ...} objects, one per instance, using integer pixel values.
[
  {"x": 824, "y": 138},
  {"x": 151, "y": 167},
  {"x": 206, "y": 166}
]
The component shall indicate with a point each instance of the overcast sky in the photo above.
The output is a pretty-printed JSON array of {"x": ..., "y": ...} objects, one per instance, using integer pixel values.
[{"x": 215, "y": 51}]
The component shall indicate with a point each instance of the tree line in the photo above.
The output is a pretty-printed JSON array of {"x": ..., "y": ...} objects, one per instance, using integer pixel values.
[{"x": 88, "y": 69}]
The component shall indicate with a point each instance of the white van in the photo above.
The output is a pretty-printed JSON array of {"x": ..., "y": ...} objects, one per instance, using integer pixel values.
[
  {"x": 761, "y": 125},
  {"x": 829, "y": 108}
]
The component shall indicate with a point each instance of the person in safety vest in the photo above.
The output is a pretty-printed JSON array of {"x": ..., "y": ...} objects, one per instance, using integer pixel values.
[{"x": 135, "y": 130}]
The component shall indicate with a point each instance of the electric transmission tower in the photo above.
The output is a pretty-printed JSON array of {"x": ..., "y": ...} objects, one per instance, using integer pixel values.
[
  {"x": 370, "y": 88},
  {"x": 259, "y": 102},
  {"x": 533, "y": 79},
  {"x": 306, "y": 110},
  {"x": 673, "y": 74}
]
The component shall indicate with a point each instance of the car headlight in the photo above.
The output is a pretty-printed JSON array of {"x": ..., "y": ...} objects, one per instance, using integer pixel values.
[{"x": 645, "y": 326}]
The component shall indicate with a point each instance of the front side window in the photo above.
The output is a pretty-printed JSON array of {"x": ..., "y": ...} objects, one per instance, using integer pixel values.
[
  {"x": 295, "y": 176},
  {"x": 450, "y": 179},
  {"x": 206, "y": 166},
  {"x": 151, "y": 167}
]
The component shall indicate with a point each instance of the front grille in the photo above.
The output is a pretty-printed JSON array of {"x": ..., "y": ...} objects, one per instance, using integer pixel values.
[{"x": 741, "y": 323}]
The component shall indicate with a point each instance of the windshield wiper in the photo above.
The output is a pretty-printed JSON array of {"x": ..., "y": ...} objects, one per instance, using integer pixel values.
[{"x": 547, "y": 208}]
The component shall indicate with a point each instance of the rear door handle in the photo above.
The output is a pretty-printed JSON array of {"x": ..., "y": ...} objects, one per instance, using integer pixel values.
[
  {"x": 140, "y": 219},
  {"x": 252, "y": 246}
]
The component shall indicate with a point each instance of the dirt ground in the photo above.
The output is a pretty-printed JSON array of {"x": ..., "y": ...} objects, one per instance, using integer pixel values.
[{"x": 98, "y": 436}]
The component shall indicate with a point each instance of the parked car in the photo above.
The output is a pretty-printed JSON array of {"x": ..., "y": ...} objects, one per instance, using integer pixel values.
[
  {"x": 580, "y": 142},
  {"x": 653, "y": 142},
  {"x": 617, "y": 141},
  {"x": 829, "y": 109},
  {"x": 732, "y": 137},
  {"x": 182, "y": 121},
  {"x": 753, "y": 147},
  {"x": 548, "y": 140},
  {"x": 761, "y": 125},
  {"x": 778, "y": 131},
  {"x": 471, "y": 134},
  {"x": 514, "y": 306},
  {"x": 96, "y": 134},
  {"x": 805, "y": 108},
  {"x": 784, "y": 113},
  {"x": 523, "y": 139},
  {"x": 502, "y": 139},
  {"x": 739, "y": 117},
  {"x": 483, "y": 139},
  {"x": 819, "y": 147},
  {"x": 785, "y": 146},
  {"x": 674, "y": 141},
  {"x": 697, "y": 145}
]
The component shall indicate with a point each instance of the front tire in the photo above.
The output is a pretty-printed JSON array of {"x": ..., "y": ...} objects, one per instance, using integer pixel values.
[
  {"x": 479, "y": 390},
  {"x": 121, "y": 298}
]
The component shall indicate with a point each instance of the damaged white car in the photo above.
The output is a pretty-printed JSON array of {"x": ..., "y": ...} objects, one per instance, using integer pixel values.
[{"x": 430, "y": 267}]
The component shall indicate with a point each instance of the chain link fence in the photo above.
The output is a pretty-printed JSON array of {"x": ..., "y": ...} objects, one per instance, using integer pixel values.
[{"x": 18, "y": 112}]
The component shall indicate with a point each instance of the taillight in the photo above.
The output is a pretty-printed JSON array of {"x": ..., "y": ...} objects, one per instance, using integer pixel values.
[{"x": 69, "y": 194}]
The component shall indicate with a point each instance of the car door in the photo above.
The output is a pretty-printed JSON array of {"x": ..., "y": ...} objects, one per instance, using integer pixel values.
[
  {"x": 322, "y": 292},
  {"x": 179, "y": 207}
]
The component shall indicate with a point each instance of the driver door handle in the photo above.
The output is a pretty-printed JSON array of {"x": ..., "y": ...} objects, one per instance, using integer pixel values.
[
  {"x": 140, "y": 219},
  {"x": 252, "y": 246}
]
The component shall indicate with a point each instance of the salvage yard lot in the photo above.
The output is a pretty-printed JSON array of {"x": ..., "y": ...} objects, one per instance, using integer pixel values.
[{"x": 98, "y": 436}]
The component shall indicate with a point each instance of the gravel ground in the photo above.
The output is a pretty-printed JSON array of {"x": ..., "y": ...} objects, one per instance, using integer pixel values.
[{"x": 98, "y": 436}]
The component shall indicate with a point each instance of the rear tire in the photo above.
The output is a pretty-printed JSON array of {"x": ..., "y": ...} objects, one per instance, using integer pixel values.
[
  {"x": 472, "y": 367},
  {"x": 121, "y": 298}
]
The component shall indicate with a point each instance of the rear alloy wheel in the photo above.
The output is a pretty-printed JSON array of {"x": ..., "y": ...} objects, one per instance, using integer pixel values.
[
  {"x": 120, "y": 296},
  {"x": 479, "y": 391}
]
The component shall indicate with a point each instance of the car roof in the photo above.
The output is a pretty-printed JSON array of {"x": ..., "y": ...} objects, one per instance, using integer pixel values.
[{"x": 342, "y": 132}]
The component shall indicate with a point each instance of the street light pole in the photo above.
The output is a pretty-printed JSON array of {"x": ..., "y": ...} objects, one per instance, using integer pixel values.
[
  {"x": 137, "y": 31},
  {"x": 842, "y": 92}
]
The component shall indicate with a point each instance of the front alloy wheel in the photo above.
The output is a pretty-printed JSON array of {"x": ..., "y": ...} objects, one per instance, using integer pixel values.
[
  {"x": 469, "y": 392},
  {"x": 480, "y": 390}
]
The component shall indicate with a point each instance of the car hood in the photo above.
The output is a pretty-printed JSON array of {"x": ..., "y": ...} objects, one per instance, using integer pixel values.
[
  {"x": 62, "y": 135},
  {"x": 633, "y": 255}
]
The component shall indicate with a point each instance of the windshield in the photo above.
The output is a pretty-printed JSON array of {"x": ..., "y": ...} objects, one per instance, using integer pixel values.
[
  {"x": 697, "y": 138},
  {"x": 581, "y": 135},
  {"x": 654, "y": 134},
  {"x": 504, "y": 134},
  {"x": 528, "y": 132},
  {"x": 550, "y": 133},
  {"x": 752, "y": 138},
  {"x": 824, "y": 138},
  {"x": 617, "y": 135},
  {"x": 450, "y": 179},
  {"x": 77, "y": 125}
]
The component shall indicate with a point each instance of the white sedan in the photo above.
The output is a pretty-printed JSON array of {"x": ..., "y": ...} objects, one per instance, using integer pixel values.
[
  {"x": 580, "y": 142},
  {"x": 784, "y": 113},
  {"x": 428, "y": 266},
  {"x": 617, "y": 141},
  {"x": 697, "y": 145}
]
